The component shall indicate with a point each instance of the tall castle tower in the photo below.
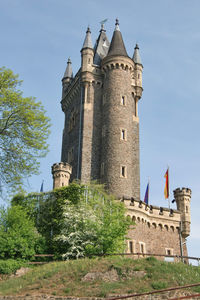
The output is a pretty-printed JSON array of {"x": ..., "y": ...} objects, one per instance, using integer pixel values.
[
  {"x": 101, "y": 142},
  {"x": 101, "y": 131}
]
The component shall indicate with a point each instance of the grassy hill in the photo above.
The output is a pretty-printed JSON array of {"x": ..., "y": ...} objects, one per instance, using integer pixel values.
[{"x": 101, "y": 277}]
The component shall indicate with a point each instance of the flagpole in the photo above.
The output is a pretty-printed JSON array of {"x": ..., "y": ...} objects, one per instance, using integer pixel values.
[{"x": 168, "y": 186}]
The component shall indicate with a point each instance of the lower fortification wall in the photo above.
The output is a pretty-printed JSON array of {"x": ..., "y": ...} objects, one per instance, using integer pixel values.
[{"x": 156, "y": 230}]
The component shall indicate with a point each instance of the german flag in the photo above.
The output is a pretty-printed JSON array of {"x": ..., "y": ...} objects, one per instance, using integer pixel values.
[{"x": 166, "y": 190}]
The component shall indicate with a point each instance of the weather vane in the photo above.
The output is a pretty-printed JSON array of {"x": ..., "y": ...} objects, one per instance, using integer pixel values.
[{"x": 103, "y": 22}]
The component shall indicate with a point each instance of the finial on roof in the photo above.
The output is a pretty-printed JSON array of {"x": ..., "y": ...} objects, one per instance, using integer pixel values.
[
  {"x": 117, "y": 46},
  {"x": 88, "y": 29},
  {"x": 102, "y": 28},
  {"x": 102, "y": 24},
  {"x": 68, "y": 71},
  {"x": 136, "y": 55},
  {"x": 88, "y": 41},
  {"x": 117, "y": 25}
]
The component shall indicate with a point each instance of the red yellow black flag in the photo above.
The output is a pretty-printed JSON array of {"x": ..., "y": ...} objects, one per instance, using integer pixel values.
[{"x": 166, "y": 190}]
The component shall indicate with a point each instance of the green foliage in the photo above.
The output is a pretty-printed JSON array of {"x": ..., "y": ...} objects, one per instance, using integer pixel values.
[
  {"x": 151, "y": 259},
  {"x": 29, "y": 204},
  {"x": 10, "y": 266},
  {"x": 77, "y": 220},
  {"x": 66, "y": 278},
  {"x": 18, "y": 236},
  {"x": 159, "y": 285},
  {"x": 24, "y": 130},
  {"x": 92, "y": 223}
]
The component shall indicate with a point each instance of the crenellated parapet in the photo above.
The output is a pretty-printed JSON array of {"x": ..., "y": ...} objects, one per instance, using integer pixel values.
[
  {"x": 118, "y": 62},
  {"x": 61, "y": 174},
  {"x": 153, "y": 216}
]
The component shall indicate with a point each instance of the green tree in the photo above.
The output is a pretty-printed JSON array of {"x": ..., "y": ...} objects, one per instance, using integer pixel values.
[
  {"x": 77, "y": 220},
  {"x": 95, "y": 225},
  {"x": 24, "y": 130},
  {"x": 18, "y": 235}
]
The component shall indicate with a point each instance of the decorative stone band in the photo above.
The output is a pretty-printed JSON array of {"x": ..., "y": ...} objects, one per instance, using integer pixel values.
[
  {"x": 118, "y": 62},
  {"x": 161, "y": 217}
]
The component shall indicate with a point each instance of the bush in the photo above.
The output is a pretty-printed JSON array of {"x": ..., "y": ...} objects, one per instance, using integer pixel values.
[
  {"x": 10, "y": 266},
  {"x": 18, "y": 236}
]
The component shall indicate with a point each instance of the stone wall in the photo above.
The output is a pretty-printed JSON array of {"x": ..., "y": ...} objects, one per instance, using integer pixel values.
[{"x": 157, "y": 228}]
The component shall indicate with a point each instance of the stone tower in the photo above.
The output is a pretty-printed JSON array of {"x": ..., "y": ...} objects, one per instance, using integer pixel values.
[
  {"x": 120, "y": 140},
  {"x": 101, "y": 131},
  {"x": 61, "y": 174},
  {"x": 182, "y": 198}
]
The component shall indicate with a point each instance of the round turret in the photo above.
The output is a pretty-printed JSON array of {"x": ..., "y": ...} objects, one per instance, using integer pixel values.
[
  {"x": 87, "y": 53},
  {"x": 183, "y": 198},
  {"x": 67, "y": 78},
  {"x": 61, "y": 174}
]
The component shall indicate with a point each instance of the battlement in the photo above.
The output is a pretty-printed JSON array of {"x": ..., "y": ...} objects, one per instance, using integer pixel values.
[
  {"x": 184, "y": 191},
  {"x": 118, "y": 62},
  {"x": 61, "y": 174},
  {"x": 151, "y": 215},
  {"x": 62, "y": 166}
]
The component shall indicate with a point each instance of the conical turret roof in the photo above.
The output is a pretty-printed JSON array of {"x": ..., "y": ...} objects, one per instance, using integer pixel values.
[
  {"x": 101, "y": 46},
  {"x": 88, "y": 40},
  {"x": 136, "y": 55},
  {"x": 68, "y": 71},
  {"x": 117, "y": 44}
]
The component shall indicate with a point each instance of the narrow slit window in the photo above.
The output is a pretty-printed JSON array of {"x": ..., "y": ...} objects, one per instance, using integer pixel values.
[
  {"x": 123, "y": 100},
  {"x": 142, "y": 247},
  {"x": 123, "y": 171},
  {"x": 123, "y": 135}
]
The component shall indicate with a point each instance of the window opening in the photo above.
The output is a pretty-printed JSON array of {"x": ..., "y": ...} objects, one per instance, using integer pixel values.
[
  {"x": 122, "y": 100},
  {"x": 123, "y": 134},
  {"x": 131, "y": 246},
  {"x": 123, "y": 170}
]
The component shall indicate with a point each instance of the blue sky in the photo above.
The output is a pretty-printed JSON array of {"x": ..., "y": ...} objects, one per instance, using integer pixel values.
[{"x": 38, "y": 36}]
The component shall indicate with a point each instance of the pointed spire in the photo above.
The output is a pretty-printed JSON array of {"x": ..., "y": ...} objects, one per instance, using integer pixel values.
[
  {"x": 88, "y": 40},
  {"x": 68, "y": 71},
  {"x": 117, "y": 45},
  {"x": 136, "y": 55},
  {"x": 101, "y": 46}
]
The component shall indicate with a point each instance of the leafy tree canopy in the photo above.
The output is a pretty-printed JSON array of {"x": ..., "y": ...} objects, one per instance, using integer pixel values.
[
  {"x": 18, "y": 235},
  {"x": 78, "y": 220},
  {"x": 24, "y": 130}
]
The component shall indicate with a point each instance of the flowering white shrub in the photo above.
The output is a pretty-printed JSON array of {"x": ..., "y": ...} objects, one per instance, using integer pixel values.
[{"x": 94, "y": 225}]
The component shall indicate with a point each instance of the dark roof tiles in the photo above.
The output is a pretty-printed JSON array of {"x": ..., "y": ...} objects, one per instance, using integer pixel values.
[{"x": 117, "y": 46}]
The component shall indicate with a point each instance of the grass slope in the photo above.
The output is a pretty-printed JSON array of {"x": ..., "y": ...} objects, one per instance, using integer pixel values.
[{"x": 65, "y": 278}]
